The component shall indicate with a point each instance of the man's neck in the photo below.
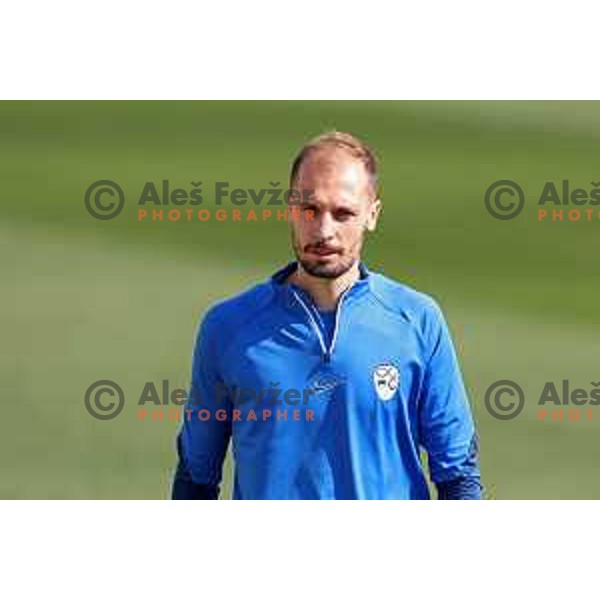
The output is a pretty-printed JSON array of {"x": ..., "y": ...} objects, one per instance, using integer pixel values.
[{"x": 324, "y": 292}]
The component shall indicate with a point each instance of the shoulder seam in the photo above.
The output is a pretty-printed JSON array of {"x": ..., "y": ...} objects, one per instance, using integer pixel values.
[
  {"x": 241, "y": 325},
  {"x": 423, "y": 296}
]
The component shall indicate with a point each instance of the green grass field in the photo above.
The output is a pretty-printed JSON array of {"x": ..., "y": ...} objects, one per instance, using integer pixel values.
[{"x": 85, "y": 300}]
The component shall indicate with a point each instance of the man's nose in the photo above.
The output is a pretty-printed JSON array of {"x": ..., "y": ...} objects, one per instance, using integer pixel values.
[{"x": 326, "y": 226}]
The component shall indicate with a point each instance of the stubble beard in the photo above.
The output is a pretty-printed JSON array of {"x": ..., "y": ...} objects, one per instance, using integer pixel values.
[{"x": 324, "y": 269}]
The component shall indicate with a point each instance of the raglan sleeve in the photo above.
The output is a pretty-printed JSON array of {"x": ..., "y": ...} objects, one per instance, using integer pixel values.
[
  {"x": 206, "y": 420},
  {"x": 447, "y": 428}
]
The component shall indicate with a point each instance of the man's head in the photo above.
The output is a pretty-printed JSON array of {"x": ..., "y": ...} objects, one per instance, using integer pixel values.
[{"x": 336, "y": 175}]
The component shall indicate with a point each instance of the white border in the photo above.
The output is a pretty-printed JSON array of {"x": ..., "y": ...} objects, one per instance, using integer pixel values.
[
  {"x": 154, "y": 549},
  {"x": 515, "y": 49}
]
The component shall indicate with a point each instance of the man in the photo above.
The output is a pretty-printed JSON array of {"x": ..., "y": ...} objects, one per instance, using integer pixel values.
[{"x": 367, "y": 365}]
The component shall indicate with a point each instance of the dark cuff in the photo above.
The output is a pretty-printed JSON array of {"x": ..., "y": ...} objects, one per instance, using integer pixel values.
[
  {"x": 184, "y": 487},
  {"x": 461, "y": 488}
]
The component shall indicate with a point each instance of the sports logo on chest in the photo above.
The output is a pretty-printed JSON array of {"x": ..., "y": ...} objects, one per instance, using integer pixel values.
[
  {"x": 323, "y": 383},
  {"x": 386, "y": 380}
]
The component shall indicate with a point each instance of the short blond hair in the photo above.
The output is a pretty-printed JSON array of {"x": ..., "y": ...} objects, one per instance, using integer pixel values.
[{"x": 344, "y": 141}]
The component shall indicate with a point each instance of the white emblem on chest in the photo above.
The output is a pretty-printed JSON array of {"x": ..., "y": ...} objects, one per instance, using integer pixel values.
[{"x": 386, "y": 380}]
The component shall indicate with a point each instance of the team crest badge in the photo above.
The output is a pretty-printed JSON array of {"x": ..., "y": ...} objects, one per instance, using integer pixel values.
[{"x": 386, "y": 379}]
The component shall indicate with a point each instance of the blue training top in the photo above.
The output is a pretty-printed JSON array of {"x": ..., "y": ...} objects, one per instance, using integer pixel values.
[{"x": 329, "y": 406}]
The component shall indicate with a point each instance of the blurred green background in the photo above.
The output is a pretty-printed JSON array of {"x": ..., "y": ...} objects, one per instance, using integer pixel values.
[{"x": 85, "y": 299}]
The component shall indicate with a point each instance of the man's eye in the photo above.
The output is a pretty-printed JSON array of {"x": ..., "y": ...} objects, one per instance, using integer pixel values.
[{"x": 344, "y": 215}]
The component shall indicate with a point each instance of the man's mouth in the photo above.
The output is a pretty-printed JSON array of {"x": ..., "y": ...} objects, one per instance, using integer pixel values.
[{"x": 322, "y": 251}]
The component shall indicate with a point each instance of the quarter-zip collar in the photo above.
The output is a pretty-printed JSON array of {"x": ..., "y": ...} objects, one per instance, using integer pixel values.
[{"x": 294, "y": 296}]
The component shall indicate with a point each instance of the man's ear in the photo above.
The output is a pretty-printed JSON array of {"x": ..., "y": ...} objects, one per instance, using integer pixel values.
[{"x": 373, "y": 216}]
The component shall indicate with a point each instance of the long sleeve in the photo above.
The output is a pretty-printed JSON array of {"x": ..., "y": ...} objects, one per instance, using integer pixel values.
[
  {"x": 202, "y": 442},
  {"x": 447, "y": 429}
]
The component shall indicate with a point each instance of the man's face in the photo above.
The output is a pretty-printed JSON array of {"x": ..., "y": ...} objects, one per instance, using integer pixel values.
[{"x": 344, "y": 207}]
